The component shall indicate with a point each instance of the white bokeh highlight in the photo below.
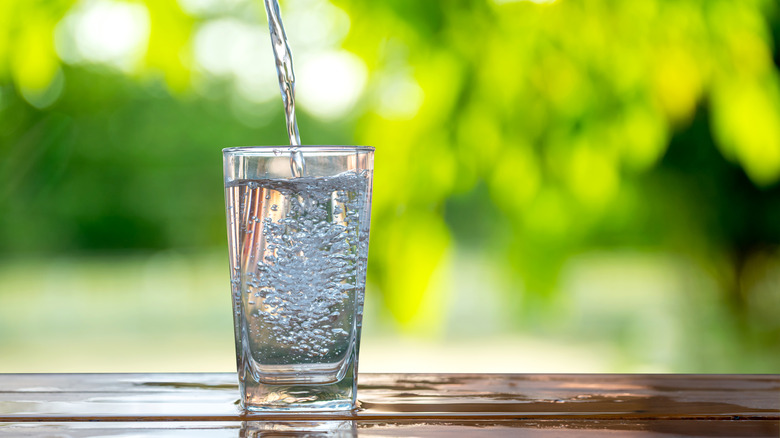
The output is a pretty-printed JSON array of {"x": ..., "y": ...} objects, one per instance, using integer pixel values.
[
  {"x": 330, "y": 83},
  {"x": 234, "y": 49},
  {"x": 108, "y": 32}
]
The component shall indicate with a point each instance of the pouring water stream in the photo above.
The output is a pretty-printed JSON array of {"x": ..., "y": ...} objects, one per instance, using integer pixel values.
[{"x": 284, "y": 69}]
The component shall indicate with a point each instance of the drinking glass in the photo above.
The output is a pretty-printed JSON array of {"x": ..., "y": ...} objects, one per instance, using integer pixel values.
[{"x": 298, "y": 252}]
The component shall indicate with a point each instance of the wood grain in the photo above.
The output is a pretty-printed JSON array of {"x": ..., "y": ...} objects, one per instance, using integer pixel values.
[{"x": 399, "y": 404}]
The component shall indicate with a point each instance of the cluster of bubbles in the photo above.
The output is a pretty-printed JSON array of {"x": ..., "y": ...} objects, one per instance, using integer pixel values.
[{"x": 304, "y": 286}]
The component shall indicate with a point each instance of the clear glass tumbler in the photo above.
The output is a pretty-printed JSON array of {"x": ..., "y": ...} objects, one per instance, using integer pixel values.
[{"x": 298, "y": 253}]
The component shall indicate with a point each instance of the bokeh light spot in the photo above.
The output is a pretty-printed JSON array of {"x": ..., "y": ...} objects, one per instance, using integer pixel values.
[
  {"x": 233, "y": 49},
  {"x": 104, "y": 31},
  {"x": 329, "y": 84}
]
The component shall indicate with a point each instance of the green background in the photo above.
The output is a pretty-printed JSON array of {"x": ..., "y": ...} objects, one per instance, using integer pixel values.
[{"x": 576, "y": 185}]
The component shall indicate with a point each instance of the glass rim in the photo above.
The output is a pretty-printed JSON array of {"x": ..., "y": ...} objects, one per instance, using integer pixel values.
[{"x": 302, "y": 148}]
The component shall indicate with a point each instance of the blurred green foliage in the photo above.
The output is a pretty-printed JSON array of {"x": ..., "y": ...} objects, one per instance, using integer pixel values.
[{"x": 530, "y": 133}]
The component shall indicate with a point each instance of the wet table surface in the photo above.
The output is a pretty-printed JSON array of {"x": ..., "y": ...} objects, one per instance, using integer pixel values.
[{"x": 421, "y": 405}]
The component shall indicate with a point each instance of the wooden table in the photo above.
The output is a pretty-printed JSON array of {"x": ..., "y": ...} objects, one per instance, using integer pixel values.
[{"x": 77, "y": 405}]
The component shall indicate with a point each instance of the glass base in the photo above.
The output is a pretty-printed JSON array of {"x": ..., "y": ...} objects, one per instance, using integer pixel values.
[{"x": 339, "y": 396}]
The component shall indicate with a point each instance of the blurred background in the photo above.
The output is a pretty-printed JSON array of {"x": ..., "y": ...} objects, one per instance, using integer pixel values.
[{"x": 560, "y": 186}]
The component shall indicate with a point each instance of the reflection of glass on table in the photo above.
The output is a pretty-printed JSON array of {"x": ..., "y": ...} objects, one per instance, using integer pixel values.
[{"x": 330, "y": 428}]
